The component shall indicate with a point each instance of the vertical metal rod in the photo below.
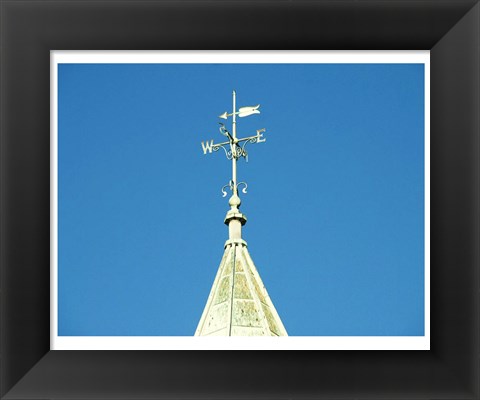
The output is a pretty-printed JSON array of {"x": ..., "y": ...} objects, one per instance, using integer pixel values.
[{"x": 233, "y": 145}]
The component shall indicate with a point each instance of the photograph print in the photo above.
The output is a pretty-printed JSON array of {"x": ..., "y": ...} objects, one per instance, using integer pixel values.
[{"x": 240, "y": 200}]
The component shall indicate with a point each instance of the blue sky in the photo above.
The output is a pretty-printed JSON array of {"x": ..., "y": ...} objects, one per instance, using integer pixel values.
[{"x": 335, "y": 201}]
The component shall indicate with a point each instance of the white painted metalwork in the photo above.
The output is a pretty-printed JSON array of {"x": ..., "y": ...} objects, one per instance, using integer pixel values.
[{"x": 234, "y": 148}]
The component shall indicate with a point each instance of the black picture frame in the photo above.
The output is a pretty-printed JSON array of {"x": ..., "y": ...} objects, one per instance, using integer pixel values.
[{"x": 30, "y": 29}]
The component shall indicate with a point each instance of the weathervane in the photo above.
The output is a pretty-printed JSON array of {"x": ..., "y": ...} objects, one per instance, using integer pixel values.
[{"x": 235, "y": 148}]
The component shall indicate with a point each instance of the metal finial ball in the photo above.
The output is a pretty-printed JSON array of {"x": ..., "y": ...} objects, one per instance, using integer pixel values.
[{"x": 234, "y": 201}]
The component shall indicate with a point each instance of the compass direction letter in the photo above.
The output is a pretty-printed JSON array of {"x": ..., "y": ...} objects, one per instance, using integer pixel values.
[{"x": 207, "y": 146}]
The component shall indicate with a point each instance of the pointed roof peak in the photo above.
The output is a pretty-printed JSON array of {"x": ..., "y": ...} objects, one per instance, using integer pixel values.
[{"x": 239, "y": 304}]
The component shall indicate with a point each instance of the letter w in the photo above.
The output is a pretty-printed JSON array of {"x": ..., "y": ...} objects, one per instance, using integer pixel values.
[{"x": 207, "y": 146}]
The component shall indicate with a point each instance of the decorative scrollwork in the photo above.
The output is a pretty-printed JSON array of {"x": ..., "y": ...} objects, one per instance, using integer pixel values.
[
  {"x": 243, "y": 151},
  {"x": 217, "y": 147},
  {"x": 235, "y": 150},
  {"x": 238, "y": 152},
  {"x": 231, "y": 186},
  {"x": 244, "y": 190}
]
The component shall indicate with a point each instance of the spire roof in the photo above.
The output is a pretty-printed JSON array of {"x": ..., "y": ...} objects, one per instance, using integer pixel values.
[{"x": 238, "y": 304}]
